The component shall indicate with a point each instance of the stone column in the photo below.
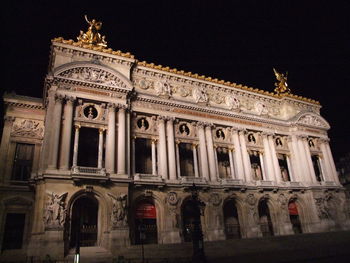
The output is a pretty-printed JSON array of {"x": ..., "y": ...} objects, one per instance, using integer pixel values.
[
  {"x": 232, "y": 168},
  {"x": 261, "y": 157},
  {"x": 290, "y": 170},
  {"x": 110, "y": 140},
  {"x": 100, "y": 148},
  {"x": 245, "y": 157},
  {"x": 163, "y": 169},
  {"x": 154, "y": 158},
  {"x": 195, "y": 160},
  {"x": 178, "y": 159},
  {"x": 171, "y": 148},
  {"x": 121, "y": 140},
  {"x": 216, "y": 161},
  {"x": 57, "y": 116},
  {"x": 309, "y": 160},
  {"x": 133, "y": 167},
  {"x": 269, "y": 169},
  {"x": 294, "y": 158},
  {"x": 304, "y": 167},
  {"x": 237, "y": 155},
  {"x": 211, "y": 153},
  {"x": 203, "y": 151},
  {"x": 76, "y": 144},
  {"x": 332, "y": 165},
  {"x": 66, "y": 134},
  {"x": 5, "y": 141},
  {"x": 276, "y": 166},
  {"x": 327, "y": 174}
]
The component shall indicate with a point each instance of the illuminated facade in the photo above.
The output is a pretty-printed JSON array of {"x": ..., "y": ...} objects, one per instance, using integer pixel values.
[{"x": 115, "y": 142}]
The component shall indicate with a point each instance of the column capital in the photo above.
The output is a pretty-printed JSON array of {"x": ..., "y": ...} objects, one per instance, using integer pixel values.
[
  {"x": 154, "y": 140},
  {"x": 242, "y": 132},
  {"x": 231, "y": 149},
  {"x": 121, "y": 106},
  {"x": 194, "y": 145},
  {"x": 200, "y": 124},
  {"x": 170, "y": 118},
  {"x": 9, "y": 119},
  {"x": 59, "y": 98},
  {"x": 162, "y": 118},
  {"x": 111, "y": 106},
  {"x": 77, "y": 126},
  {"x": 101, "y": 130},
  {"x": 267, "y": 134},
  {"x": 69, "y": 99}
]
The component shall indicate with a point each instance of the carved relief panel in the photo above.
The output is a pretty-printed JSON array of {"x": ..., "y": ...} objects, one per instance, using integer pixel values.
[
  {"x": 91, "y": 112},
  {"x": 28, "y": 128}
]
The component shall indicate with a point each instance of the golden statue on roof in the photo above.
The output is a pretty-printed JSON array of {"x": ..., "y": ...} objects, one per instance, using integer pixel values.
[
  {"x": 281, "y": 85},
  {"x": 92, "y": 36}
]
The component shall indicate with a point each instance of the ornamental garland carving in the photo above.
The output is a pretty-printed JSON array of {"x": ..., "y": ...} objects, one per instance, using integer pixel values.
[
  {"x": 199, "y": 95},
  {"x": 28, "y": 128},
  {"x": 55, "y": 211},
  {"x": 232, "y": 102},
  {"x": 162, "y": 88},
  {"x": 119, "y": 215}
]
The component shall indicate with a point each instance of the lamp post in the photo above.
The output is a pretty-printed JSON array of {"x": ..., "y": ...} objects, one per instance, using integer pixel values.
[{"x": 197, "y": 235}]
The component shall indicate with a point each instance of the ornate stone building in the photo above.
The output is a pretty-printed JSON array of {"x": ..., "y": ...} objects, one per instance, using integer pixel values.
[{"x": 115, "y": 142}]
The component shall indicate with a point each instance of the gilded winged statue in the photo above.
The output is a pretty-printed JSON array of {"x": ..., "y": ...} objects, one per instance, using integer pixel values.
[
  {"x": 92, "y": 36},
  {"x": 281, "y": 85}
]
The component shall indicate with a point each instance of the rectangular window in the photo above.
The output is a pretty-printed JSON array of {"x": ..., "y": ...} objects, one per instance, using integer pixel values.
[
  {"x": 317, "y": 167},
  {"x": 22, "y": 166},
  {"x": 223, "y": 162},
  {"x": 256, "y": 166},
  {"x": 186, "y": 159},
  {"x": 143, "y": 156},
  {"x": 282, "y": 161},
  {"x": 14, "y": 230}
]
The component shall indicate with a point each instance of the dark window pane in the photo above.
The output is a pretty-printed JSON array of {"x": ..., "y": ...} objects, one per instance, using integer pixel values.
[
  {"x": 13, "y": 232},
  {"x": 22, "y": 166}
]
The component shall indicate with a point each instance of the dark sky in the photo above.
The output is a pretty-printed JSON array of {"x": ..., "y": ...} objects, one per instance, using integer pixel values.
[{"x": 238, "y": 42}]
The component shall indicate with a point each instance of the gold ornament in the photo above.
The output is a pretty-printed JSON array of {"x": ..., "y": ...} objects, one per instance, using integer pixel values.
[{"x": 92, "y": 37}]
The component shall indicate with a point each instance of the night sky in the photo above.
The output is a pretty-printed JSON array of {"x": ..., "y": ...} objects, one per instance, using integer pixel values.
[{"x": 239, "y": 42}]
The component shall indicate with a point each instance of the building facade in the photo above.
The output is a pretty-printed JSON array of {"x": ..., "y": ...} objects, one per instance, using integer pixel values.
[{"x": 115, "y": 143}]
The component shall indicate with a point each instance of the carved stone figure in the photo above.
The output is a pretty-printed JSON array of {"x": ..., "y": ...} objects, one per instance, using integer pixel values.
[
  {"x": 119, "y": 216},
  {"x": 215, "y": 199},
  {"x": 172, "y": 198},
  {"x": 261, "y": 108},
  {"x": 232, "y": 102},
  {"x": 162, "y": 88},
  {"x": 321, "y": 208},
  {"x": 200, "y": 95},
  {"x": 28, "y": 128},
  {"x": 55, "y": 211},
  {"x": 252, "y": 210}
]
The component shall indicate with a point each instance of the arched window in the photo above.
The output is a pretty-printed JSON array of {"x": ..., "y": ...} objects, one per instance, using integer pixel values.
[
  {"x": 265, "y": 219},
  {"x": 231, "y": 221}
]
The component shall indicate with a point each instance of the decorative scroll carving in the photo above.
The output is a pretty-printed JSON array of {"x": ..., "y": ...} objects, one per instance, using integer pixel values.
[
  {"x": 28, "y": 128},
  {"x": 172, "y": 198},
  {"x": 55, "y": 210},
  {"x": 119, "y": 216},
  {"x": 215, "y": 199}
]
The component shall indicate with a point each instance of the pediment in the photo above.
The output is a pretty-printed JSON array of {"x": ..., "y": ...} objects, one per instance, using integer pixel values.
[
  {"x": 311, "y": 119},
  {"x": 93, "y": 74}
]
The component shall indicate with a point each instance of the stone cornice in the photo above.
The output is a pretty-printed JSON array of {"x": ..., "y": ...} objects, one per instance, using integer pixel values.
[
  {"x": 189, "y": 76},
  {"x": 23, "y": 101}
]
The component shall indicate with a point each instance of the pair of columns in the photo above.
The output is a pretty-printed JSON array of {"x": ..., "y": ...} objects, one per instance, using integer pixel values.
[
  {"x": 64, "y": 150},
  {"x": 110, "y": 140}
]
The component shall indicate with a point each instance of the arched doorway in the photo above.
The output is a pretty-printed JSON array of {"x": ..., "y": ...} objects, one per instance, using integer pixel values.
[
  {"x": 265, "y": 219},
  {"x": 84, "y": 222},
  {"x": 146, "y": 221},
  {"x": 232, "y": 227},
  {"x": 294, "y": 217},
  {"x": 190, "y": 214}
]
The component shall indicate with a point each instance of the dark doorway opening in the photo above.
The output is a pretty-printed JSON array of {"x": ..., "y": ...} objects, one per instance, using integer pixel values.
[
  {"x": 13, "y": 232},
  {"x": 88, "y": 147},
  {"x": 294, "y": 217},
  {"x": 190, "y": 214},
  {"x": 265, "y": 219},
  {"x": 84, "y": 222},
  {"x": 232, "y": 227},
  {"x": 146, "y": 219}
]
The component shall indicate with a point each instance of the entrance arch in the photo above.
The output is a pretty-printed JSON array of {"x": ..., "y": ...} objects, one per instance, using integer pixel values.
[
  {"x": 190, "y": 214},
  {"x": 265, "y": 219},
  {"x": 294, "y": 217},
  {"x": 231, "y": 221},
  {"x": 84, "y": 222},
  {"x": 146, "y": 219}
]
